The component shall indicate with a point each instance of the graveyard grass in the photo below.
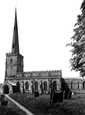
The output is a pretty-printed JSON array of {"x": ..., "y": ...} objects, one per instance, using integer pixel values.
[
  {"x": 41, "y": 105},
  {"x": 10, "y": 109}
]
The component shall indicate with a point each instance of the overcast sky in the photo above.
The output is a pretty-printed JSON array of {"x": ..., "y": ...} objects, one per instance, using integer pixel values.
[{"x": 45, "y": 27}]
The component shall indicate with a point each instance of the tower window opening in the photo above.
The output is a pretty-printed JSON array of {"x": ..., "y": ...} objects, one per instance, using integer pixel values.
[{"x": 11, "y": 60}]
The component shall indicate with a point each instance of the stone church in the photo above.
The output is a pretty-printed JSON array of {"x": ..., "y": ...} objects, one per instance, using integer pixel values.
[{"x": 16, "y": 80}]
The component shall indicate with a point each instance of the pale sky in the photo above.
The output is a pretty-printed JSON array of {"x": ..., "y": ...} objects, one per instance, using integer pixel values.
[{"x": 45, "y": 27}]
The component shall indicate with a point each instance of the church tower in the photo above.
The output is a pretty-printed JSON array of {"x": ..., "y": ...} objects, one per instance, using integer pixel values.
[{"x": 14, "y": 60}]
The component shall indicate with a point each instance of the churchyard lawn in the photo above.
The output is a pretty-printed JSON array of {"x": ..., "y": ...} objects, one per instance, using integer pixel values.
[{"x": 41, "y": 105}]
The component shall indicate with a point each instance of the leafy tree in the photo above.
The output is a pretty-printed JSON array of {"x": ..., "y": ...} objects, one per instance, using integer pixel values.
[{"x": 78, "y": 43}]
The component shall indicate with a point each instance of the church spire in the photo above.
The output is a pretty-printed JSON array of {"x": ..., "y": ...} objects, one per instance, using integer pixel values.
[{"x": 15, "y": 43}]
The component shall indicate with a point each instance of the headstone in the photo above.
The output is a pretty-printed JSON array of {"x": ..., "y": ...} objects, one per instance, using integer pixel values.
[
  {"x": 2, "y": 97},
  {"x": 61, "y": 96},
  {"x": 66, "y": 96},
  {"x": 4, "y": 103},
  {"x": 57, "y": 96},
  {"x": 70, "y": 94},
  {"x": 36, "y": 94},
  {"x": 51, "y": 96}
]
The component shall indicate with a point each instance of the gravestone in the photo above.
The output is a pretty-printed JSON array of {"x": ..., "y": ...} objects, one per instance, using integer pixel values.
[
  {"x": 4, "y": 103},
  {"x": 70, "y": 94},
  {"x": 51, "y": 96},
  {"x": 61, "y": 96},
  {"x": 36, "y": 94},
  {"x": 66, "y": 96},
  {"x": 57, "y": 96},
  {"x": 2, "y": 97}
]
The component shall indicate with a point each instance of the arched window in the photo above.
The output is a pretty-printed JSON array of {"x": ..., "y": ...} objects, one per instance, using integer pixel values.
[
  {"x": 11, "y": 60},
  {"x": 18, "y": 86},
  {"x": 36, "y": 85},
  {"x": 26, "y": 85},
  {"x": 84, "y": 85},
  {"x": 45, "y": 86},
  {"x": 54, "y": 85},
  {"x": 71, "y": 85}
]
